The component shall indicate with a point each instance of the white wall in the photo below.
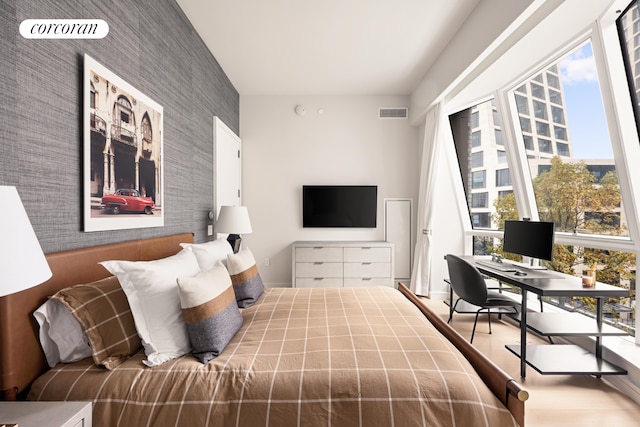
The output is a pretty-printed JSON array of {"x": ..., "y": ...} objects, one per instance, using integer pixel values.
[{"x": 346, "y": 144}]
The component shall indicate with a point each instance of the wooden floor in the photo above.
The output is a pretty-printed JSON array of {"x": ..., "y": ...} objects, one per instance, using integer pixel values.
[{"x": 555, "y": 400}]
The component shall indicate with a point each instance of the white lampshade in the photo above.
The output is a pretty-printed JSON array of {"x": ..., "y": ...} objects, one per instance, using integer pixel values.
[
  {"x": 233, "y": 220},
  {"x": 22, "y": 262}
]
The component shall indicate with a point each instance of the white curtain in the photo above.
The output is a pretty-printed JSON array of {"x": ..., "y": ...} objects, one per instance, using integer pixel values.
[{"x": 421, "y": 274}]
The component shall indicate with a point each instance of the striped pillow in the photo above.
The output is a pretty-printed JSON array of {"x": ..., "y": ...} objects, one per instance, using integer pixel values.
[
  {"x": 210, "y": 311},
  {"x": 246, "y": 280},
  {"x": 102, "y": 310}
]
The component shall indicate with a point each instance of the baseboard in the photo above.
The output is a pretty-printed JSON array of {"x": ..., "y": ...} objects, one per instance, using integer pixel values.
[{"x": 440, "y": 295}]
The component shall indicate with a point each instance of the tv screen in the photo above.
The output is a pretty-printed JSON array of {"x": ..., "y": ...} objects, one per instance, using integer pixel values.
[
  {"x": 339, "y": 206},
  {"x": 529, "y": 238}
]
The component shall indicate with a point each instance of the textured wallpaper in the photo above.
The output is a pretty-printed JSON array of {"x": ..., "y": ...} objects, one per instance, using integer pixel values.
[{"x": 154, "y": 48}]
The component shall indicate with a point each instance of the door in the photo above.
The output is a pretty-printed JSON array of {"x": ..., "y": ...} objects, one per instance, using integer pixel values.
[{"x": 227, "y": 149}]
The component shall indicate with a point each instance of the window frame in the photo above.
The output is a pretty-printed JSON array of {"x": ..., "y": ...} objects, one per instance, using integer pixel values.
[{"x": 617, "y": 104}]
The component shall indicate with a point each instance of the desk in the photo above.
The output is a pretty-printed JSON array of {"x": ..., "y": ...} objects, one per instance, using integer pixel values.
[{"x": 559, "y": 358}]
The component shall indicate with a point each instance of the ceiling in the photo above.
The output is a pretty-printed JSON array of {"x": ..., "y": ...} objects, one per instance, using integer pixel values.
[{"x": 328, "y": 47}]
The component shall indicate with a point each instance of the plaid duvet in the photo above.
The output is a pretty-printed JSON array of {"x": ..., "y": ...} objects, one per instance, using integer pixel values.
[{"x": 303, "y": 357}]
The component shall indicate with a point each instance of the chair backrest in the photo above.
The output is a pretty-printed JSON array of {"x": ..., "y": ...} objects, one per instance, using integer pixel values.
[{"x": 467, "y": 282}]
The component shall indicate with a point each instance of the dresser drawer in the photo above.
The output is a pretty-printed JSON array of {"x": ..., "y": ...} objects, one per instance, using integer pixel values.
[
  {"x": 323, "y": 282},
  {"x": 367, "y": 269},
  {"x": 367, "y": 254},
  {"x": 319, "y": 254},
  {"x": 354, "y": 283},
  {"x": 319, "y": 269}
]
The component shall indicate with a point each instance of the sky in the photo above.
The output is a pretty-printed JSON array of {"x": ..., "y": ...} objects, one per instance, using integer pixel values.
[{"x": 583, "y": 102}]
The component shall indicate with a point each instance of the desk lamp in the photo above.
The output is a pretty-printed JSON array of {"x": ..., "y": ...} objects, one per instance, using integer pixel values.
[{"x": 235, "y": 221}]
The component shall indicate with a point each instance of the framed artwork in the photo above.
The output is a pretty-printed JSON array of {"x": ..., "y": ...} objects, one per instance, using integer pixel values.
[{"x": 123, "y": 158}]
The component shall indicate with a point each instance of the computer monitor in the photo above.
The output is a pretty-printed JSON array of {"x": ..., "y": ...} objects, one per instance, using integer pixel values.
[{"x": 529, "y": 238}]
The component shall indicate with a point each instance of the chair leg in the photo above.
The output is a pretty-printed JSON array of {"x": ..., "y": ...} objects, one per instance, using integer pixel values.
[
  {"x": 489, "y": 317},
  {"x": 452, "y": 310},
  {"x": 474, "y": 326}
]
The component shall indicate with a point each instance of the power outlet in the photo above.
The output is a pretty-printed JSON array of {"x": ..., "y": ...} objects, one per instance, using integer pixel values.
[
  {"x": 267, "y": 262},
  {"x": 209, "y": 230}
]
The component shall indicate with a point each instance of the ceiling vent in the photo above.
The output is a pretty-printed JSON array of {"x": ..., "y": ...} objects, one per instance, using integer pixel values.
[{"x": 393, "y": 113}]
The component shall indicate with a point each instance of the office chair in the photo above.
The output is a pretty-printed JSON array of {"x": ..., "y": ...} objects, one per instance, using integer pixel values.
[{"x": 468, "y": 283}]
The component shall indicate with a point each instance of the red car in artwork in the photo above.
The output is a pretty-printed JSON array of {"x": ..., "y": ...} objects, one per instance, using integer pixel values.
[{"x": 128, "y": 200}]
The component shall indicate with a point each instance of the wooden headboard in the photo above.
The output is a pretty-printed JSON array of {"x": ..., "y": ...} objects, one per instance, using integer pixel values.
[{"x": 21, "y": 357}]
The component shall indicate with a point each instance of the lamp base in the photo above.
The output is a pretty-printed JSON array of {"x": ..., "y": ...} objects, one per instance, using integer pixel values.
[{"x": 235, "y": 241}]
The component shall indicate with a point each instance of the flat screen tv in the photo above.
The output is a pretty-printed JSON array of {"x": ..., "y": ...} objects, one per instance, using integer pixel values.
[
  {"x": 339, "y": 206},
  {"x": 529, "y": 238}
]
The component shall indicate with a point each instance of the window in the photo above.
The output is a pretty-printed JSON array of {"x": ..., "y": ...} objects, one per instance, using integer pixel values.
[
  {"x": 555, "y": 97},
  {"x": 522, "y": 104},
  {"x": 563, "y": 149},
  {"x": 557, "y": 115},
  {"x": 477, "y": 159},
  {"x": 475, "y": 120},
  {"x": 481, "y": 220},
  {"x": 553, "y": 80},
  {"x": 476, "y": 141},
  {"x": 479, "y": 179},
  {"x": 542, "y": 128},
  {"x": 540, "y": 110},
  {"x": 503, "y": 178},
  {"x": 481, "y": 190},
  {"x": 544, "y": 145},
  {"x": 577, "y": 172},
  {"x": 502, "y": 156},
  {"x": 480, "y": 200},
  {"x": 537, "y": 91},
  {"x": 560, "y": 133},
  {"x": 93, "y": 97},
  {"x": 583, "y": 165}
]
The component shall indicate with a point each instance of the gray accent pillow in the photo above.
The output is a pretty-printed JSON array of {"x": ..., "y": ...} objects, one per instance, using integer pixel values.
[{"x": 210, "y": 311}]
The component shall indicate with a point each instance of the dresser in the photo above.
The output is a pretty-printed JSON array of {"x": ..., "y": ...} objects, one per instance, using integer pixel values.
[
  {"x": 337, "y": 264},
  {"x": 50, "y": 414}
]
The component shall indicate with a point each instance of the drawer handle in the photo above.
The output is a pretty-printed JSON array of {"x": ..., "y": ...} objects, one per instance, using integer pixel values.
[
  {"x": 367, "y": 263},
  {"x": 366, "y": 278},
  {"x": 366, "y": 247},
  {"x": 318, "y": 263},
  {"x": 318, "y": 247},
  {"x": 318, "y": 278}
]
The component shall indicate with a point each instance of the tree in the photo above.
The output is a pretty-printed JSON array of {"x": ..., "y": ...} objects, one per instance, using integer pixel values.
[{"x": 569, "y": 195}]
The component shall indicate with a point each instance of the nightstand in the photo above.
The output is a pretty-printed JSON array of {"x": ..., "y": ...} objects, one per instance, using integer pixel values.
[{"x": 54, "y": 414}]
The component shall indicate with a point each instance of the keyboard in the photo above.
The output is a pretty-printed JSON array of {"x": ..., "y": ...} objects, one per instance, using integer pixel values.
[{"x": 500, "y": 266}]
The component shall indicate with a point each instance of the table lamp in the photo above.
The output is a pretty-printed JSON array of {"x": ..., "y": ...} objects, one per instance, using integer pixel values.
[
  {"x": 235, "y": 221},
  {"x": 22, "y": 262}
]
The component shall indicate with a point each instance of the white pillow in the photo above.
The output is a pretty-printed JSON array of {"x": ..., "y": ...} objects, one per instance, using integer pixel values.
[
  {"x": 152, "y": 291},
  {"x": 208, "y": 253},
  {"x": 61, "y": 336}
]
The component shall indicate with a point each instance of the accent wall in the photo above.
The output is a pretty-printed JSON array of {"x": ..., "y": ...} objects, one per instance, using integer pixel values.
[{"x": 153, "y": 47}]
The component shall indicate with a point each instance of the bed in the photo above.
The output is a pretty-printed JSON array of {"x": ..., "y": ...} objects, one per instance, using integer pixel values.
[{"x": 350, "y": 356}]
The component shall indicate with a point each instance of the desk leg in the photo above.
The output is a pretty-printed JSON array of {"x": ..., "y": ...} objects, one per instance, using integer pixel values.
[
  {"x": 599, "y": 320},
  {"x": 523, "y": 335}
]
